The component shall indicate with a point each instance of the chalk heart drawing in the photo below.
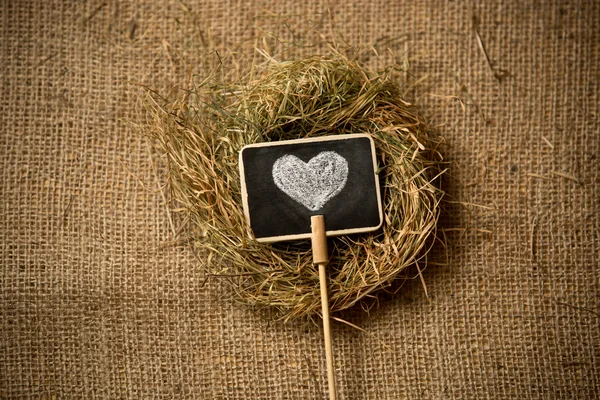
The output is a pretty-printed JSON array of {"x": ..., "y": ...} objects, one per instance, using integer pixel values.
[{"x": 314, "y": 183}]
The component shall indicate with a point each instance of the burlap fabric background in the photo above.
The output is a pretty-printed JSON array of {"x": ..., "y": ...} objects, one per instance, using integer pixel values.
[{"x": 99, "y": 301}]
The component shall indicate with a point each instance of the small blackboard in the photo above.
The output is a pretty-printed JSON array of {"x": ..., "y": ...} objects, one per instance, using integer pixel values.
[{"x": 284, "y": 183}]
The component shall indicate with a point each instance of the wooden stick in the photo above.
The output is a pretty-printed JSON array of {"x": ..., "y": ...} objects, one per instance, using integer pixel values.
[{"x": 321, "y": 258}]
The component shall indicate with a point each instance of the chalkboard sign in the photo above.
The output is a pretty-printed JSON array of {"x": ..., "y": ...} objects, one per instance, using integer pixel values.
[{"x": 284, "y": 183}]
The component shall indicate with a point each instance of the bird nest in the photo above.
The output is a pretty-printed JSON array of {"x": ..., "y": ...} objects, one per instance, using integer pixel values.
[{"x": 201, "y": 132}]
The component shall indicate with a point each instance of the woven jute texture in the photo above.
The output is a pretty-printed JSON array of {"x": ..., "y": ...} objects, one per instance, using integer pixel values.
[{"x": 100, "y": 300}]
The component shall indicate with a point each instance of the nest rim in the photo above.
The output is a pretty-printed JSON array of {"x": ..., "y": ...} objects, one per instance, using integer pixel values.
[{"x": 201, "y": 132}]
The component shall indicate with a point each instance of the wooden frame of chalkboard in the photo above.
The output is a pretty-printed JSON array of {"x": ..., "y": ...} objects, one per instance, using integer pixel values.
[{"x": 274, "y": 215}]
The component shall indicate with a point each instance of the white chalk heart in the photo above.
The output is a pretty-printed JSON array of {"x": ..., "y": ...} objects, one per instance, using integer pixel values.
[{"x": 314, "y": 183}]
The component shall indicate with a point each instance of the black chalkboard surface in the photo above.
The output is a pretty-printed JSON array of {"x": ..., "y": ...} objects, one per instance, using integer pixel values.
[{"x": 284, "y": 183}]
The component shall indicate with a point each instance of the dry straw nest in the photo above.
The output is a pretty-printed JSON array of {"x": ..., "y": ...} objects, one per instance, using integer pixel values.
[{"x": 201, "y": 132}]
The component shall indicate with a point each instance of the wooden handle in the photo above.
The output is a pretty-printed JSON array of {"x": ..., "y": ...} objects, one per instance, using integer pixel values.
[
  {"x": 321, "y": 257},
  {"x": 319, "y": 240},
  {"x": 327, "y": 332}
]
